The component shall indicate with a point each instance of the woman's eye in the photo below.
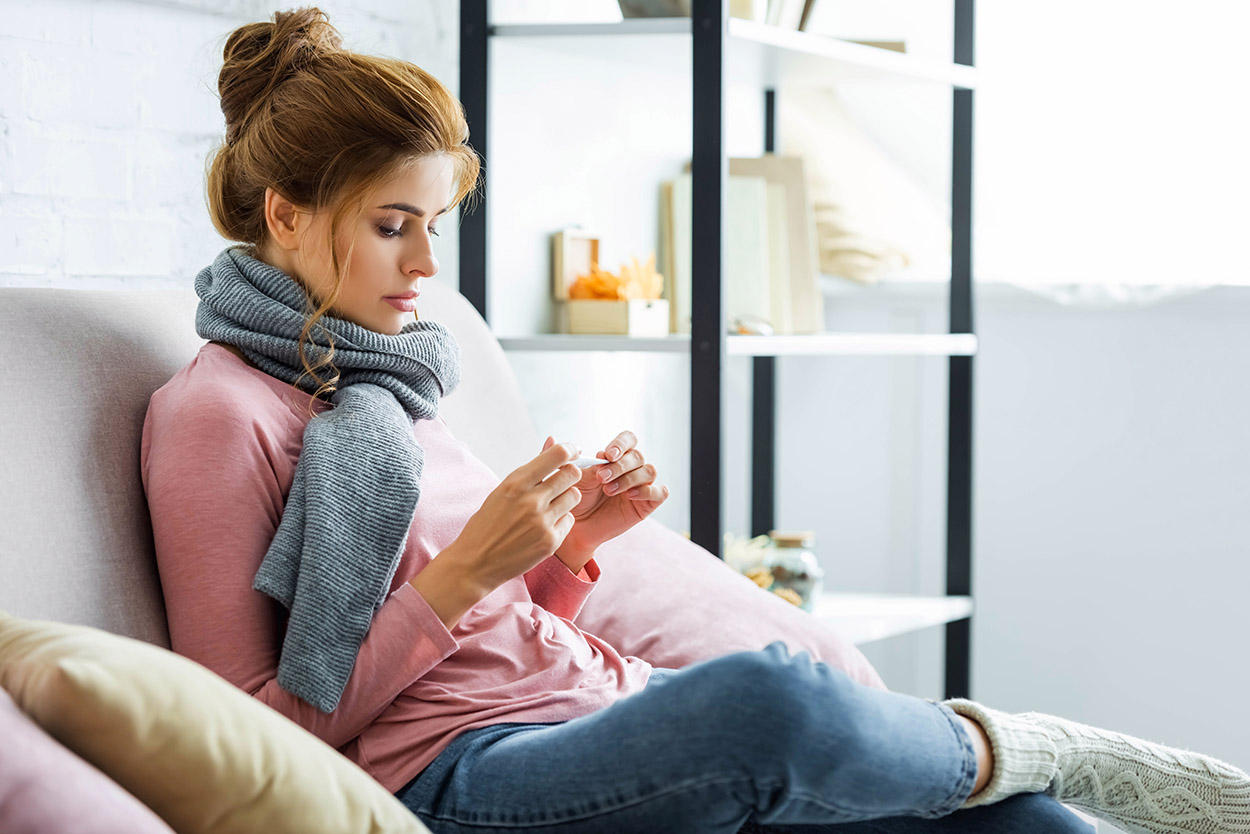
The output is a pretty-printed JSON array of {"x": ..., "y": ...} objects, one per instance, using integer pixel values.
[
  {"x": 433, "y": 231},
  {"x": 387, "y": 231}
]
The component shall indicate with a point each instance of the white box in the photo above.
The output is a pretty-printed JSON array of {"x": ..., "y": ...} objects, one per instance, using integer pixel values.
[{"x": 622, "y": 317}]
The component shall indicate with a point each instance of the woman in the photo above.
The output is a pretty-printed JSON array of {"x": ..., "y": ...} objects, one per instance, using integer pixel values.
[{"x": 433, "y": 641}]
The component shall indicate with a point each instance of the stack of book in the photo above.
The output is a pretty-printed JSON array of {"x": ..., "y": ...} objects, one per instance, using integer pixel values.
[
  {"x": 788, "y": 14},
  {"x": 770, "y": 269}
]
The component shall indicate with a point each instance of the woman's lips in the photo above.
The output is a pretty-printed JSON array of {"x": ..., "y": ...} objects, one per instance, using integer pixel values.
[{"x": 405, "y": 304}]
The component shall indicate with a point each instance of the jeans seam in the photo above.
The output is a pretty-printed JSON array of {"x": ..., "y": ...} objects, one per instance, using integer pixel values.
[
  {"x": 968, "y": 780},
  {"x": 583, "y": 815},
  {"x": 821, "y": 802}
]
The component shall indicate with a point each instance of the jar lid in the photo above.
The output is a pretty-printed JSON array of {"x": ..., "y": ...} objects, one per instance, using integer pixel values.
[{"x": 795, "y": 538}]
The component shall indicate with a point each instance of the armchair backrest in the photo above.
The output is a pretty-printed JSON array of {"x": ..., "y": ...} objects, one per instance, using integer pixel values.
[{"x": 80, "y": 366}]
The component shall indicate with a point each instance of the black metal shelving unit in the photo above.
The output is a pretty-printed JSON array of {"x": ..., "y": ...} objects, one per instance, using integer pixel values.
[{"x": 708, "y": 338}]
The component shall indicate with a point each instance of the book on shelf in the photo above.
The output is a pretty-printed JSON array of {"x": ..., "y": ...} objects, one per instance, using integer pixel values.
[
  {"x": 798, "y": 230},
  {"x": 678, "y": 258},
  {"x": 778, "y": 261},
  {"x": 755, "y": 11},
  {"x": 786, "y": 14},
  {"x": 746, "y": 223},
  {"x": 893, "y": 46},
  {"x": 746, "y": 268},
  {"x": 806, "y": 17},
  {"x": 770, "y": 265}
]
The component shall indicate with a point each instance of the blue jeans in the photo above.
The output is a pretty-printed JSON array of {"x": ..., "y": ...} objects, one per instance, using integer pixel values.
[{"x": 756, "y": 740}]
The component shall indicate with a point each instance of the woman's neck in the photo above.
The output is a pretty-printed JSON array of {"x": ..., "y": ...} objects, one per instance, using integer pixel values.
[{"x": 236, "y": 352}]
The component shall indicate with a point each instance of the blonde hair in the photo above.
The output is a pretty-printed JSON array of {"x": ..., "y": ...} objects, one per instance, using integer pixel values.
[{"x": 323, "y": 126}]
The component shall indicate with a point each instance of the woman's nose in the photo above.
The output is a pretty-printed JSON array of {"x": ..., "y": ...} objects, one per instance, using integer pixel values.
[{"x": 422, "y": 263}]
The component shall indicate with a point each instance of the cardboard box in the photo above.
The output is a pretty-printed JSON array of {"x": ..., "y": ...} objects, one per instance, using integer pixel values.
[
  {"x": 573, "y": 250},
  {"x": 622, "y": 317}
]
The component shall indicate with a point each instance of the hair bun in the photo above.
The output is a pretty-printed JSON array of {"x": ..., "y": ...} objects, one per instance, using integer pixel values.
[{"x": 258, "y": 57}]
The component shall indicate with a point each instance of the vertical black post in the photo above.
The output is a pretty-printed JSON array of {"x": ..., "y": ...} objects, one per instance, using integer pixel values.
[
  {"x": 959, "y": 445},
  {"x": 473, "y": 80},
  {"x": 764, "y": 394},
  {"x": 709, "y": 170}
]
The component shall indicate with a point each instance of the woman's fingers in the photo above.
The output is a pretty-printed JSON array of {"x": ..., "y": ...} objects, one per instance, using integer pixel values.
[
  {"x": 559, "y": 482},
  {"x": 641, "y": 476},
  {"x": 565, "y": 501},
  {"x": 657, "y": 493},
  {"x": 551, "y": 458},
  {"x": 562, "y": 527},
  {"x": 648, "y": 492},
  {"x": 609, "y": 471},
  {"x": 620, "y": 444}
]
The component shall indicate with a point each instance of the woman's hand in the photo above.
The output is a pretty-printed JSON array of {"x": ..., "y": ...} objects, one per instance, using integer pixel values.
[
  {"x": 615, "y": 496},
  {"x": 522, "y": 521}
]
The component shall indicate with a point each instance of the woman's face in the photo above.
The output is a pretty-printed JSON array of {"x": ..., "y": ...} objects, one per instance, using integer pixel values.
[{"x": 393, "y": 251}]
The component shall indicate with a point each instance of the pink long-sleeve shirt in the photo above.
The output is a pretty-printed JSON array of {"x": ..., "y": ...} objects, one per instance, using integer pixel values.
[{"x": 220, "y": 444}]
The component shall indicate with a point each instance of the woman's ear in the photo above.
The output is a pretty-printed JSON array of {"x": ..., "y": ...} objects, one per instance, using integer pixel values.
[{"x": 283, "y": 220}]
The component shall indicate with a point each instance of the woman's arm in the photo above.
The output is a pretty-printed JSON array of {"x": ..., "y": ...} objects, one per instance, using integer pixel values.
[{"x": 211, "y": 474}]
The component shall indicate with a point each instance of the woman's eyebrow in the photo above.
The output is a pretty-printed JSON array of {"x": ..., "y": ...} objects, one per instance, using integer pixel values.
[{"x": 411, "y": 209}]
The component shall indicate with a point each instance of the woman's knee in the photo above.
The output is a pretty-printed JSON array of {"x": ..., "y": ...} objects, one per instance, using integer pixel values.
[
  {"x": 773, "y": 675},
  {"x": 782, "y": 697}
]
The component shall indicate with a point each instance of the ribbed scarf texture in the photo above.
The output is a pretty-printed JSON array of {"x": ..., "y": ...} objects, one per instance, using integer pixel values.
[{"x": 358, "y": 479}]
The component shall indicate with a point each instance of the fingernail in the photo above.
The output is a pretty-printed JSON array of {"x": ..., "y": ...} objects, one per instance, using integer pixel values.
[{"x": 613, "y": 452}]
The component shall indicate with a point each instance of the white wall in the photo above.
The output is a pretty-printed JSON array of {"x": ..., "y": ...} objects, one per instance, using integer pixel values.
[
  {"x": 107, "y": 113},
  {"x": 1113, "y": 531},
  {"x": 1111, "y": 478},
  {"x": 1111, "y": 455},
  {"x": 1111, "y": 460}
]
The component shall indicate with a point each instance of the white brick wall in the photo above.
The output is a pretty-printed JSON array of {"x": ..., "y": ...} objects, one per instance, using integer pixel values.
[{"x": 108, "y": 111}]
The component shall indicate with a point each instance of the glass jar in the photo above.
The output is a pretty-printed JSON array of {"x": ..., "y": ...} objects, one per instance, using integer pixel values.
[{"x": 795, "y": 571}]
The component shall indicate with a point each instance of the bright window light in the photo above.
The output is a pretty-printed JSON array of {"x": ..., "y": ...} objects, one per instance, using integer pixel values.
[{"x": 1112, "y": 142}]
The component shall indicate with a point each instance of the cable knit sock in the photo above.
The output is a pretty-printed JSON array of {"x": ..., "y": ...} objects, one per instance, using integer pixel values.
[{"x": 1137, "y": 785}]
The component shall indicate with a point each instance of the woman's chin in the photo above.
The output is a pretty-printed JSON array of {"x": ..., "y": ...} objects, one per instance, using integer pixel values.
[{"x": 396, "y": 327}]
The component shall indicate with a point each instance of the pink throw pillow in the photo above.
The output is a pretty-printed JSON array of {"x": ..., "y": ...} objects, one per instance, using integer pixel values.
[
  {"x": 45, "y": 788},
  {"x": 663, "y": 598}
]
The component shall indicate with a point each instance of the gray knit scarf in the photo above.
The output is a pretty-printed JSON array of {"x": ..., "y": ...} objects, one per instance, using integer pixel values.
[{"x": 346, "y": 519}]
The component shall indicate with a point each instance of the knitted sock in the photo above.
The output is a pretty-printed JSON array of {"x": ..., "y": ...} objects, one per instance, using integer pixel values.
[{"x": 1140, "y": 786}]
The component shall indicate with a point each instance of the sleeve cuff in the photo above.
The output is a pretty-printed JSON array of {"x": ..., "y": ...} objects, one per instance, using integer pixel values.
[
  {"x": 556, "y": 588},
  {"x": 417, "y": 612},
  {"x": 590, "y": 573}
]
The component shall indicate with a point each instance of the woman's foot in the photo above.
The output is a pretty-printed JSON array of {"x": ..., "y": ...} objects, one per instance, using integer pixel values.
[{"x": 1137, "y": 785}]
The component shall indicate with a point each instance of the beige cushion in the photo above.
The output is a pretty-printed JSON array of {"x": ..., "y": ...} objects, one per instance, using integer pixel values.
[{"x": 198, "y": 751}]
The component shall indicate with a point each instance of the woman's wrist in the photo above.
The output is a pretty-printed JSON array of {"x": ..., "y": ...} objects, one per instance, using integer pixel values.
[
  {"x": 574, "y": 560},
  {"x": 450, "y": 587}
]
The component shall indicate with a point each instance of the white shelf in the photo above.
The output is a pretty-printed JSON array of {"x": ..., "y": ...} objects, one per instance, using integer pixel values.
[
  {"x": 575, "y": 342},
  {"x": 823, "y": 344},
  {"x": 755, "y": 53},
  {"x": 630, "y": 26},
  {"x": 796, "y": 57},
  {"x": 858, "y": 344},
  {"x": 863, "y": 618}
]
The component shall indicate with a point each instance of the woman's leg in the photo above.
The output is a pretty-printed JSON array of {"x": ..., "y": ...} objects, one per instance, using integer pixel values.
[{"x": 764, "y": 735}]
